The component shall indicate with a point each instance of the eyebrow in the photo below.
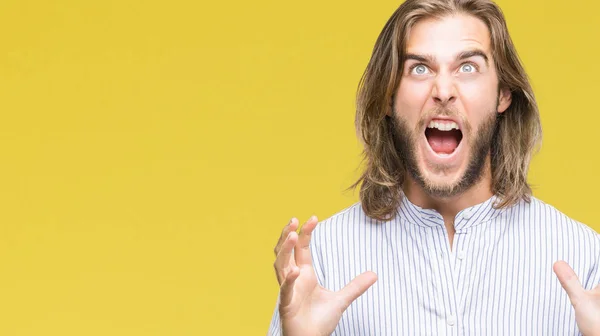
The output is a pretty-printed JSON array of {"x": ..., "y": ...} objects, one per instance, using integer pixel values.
[
  {"x": 428, "y": 58},
  {"x": 472, "y": 53}
]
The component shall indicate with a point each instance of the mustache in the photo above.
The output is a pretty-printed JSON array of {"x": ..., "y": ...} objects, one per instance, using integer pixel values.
[{"x": 443, "y": 111}]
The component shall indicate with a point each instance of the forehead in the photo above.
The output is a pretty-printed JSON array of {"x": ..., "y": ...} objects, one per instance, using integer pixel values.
[{"x": 447, "y": 36}]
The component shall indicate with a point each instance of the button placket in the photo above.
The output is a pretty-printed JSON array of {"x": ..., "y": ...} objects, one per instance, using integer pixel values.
[
  {"x": 442, "y": 263},
  {"x": 451, "y": 320}
]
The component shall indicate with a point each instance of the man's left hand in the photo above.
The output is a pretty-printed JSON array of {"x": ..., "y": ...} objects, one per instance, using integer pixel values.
[{"x": 586, "y": 303}]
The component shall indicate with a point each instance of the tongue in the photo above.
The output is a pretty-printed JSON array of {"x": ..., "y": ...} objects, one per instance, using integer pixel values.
[{"x": 443, "y": 142}]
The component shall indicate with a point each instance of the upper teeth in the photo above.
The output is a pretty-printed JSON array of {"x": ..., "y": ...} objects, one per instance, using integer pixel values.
[{"x": 443, "y": 125}]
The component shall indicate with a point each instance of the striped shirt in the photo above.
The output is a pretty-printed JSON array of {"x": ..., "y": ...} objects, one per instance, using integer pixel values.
[{"x": 496, "y": 280}]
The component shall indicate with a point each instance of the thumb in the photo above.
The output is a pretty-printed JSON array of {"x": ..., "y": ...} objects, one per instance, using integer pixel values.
[
  {"x": 356, "y": 288},
  {"x": 569, "y": 281}
]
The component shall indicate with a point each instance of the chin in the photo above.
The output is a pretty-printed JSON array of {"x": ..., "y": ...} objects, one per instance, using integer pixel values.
[{"x": 441, "y": 184}]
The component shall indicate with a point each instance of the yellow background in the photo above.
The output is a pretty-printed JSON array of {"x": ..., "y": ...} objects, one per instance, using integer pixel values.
[{"x": 151, "y": 151}]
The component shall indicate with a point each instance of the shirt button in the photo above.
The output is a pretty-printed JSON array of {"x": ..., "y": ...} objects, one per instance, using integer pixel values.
[
  {"x": 461, "y": 255},
  {"x": 451, "y": 320}
]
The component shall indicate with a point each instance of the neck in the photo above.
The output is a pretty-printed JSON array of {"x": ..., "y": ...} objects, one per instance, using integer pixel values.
[{"x": 448, "y": 207}]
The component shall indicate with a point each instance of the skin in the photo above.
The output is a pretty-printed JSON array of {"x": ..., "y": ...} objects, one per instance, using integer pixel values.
[{"x": 466, "y": 89}]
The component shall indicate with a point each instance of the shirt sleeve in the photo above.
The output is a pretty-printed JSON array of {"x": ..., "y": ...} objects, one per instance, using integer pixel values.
[
  {"x": 594, "y": 278},
  {"x": 315, "y": 252},
  {"x": 275, "y": 326}
]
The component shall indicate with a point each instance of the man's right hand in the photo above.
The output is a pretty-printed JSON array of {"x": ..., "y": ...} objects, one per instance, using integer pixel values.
[{"x": 306, "y": 308}]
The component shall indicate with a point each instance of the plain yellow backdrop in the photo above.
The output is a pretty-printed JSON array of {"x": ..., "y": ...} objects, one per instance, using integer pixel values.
[{"x": 151, "y": 151}]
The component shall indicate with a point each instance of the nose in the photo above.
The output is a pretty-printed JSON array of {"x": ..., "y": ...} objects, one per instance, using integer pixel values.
[{"x": 444, "y": 89}]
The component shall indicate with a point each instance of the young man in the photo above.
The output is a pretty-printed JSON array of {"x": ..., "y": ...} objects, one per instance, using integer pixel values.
[{"x": 447, "y": 239}]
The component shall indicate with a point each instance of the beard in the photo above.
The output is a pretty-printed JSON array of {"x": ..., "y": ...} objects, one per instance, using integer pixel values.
[{"x": 405, "y": 141}]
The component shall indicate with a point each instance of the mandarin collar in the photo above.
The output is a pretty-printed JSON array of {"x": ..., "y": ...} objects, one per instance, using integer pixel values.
[{"x": 465, "y": 219}]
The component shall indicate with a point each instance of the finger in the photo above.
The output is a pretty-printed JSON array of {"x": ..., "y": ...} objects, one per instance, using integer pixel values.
[
  {"x": 287, "y": 287},
  {"x": 302, "y": 252},
  {"x": 291, "y": 226},
  {"x": 285, "y": 255},
  {"x": 569, "y": 281},
  {"x": 356, "y": 288}
]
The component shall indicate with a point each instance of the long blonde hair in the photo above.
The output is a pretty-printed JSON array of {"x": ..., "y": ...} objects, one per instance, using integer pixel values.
[{"x": 518, "y": 130}]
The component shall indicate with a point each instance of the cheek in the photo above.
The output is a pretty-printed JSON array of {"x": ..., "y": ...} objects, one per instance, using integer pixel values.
[
  {"x": 410, "y": 99},
  {"x": 478, "y": 101}
]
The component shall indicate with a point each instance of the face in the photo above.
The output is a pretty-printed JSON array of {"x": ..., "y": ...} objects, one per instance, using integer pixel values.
[{"x": 447, "y": 104}]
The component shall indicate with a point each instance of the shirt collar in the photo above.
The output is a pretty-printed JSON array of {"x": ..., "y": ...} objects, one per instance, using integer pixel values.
[{"x": 466, "y": 218}]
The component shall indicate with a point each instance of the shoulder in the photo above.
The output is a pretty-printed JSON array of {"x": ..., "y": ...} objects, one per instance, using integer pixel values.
[
  {"x": 554, "y": 218},
  {"x": 572, "y": 241},
  {"x": 558, "y": 228},
  {"x": 348, "y": 219},
  {"x": 345, "y": 225},
  {"x": 350, "y": 215}
]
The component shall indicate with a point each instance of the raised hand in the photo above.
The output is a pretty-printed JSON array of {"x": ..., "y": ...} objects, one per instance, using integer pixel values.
[
  {"x": 586, "y": 303},
  {"x": 306, "y": 308}
]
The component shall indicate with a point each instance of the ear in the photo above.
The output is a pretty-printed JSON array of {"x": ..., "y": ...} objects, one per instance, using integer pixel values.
[{"x": 504, "y": 99}]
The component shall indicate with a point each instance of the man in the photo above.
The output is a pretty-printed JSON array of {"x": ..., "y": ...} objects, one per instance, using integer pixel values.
[{"x": 447, "y": 239}]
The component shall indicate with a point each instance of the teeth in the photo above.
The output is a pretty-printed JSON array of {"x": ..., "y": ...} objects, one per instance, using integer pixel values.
[{"x": 443, "y": 125}]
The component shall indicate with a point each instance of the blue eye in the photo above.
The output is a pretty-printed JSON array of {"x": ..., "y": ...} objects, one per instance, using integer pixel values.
[
  {"x": 468, "y": 68},
  {"x": 419, "y": 69}
]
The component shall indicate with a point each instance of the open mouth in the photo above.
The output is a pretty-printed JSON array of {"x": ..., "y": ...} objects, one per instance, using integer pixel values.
[{"x": 443, "y": 136}]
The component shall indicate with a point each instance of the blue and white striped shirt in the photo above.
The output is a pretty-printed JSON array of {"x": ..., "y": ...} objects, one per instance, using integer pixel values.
[{"x": 496, "y": 280}]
